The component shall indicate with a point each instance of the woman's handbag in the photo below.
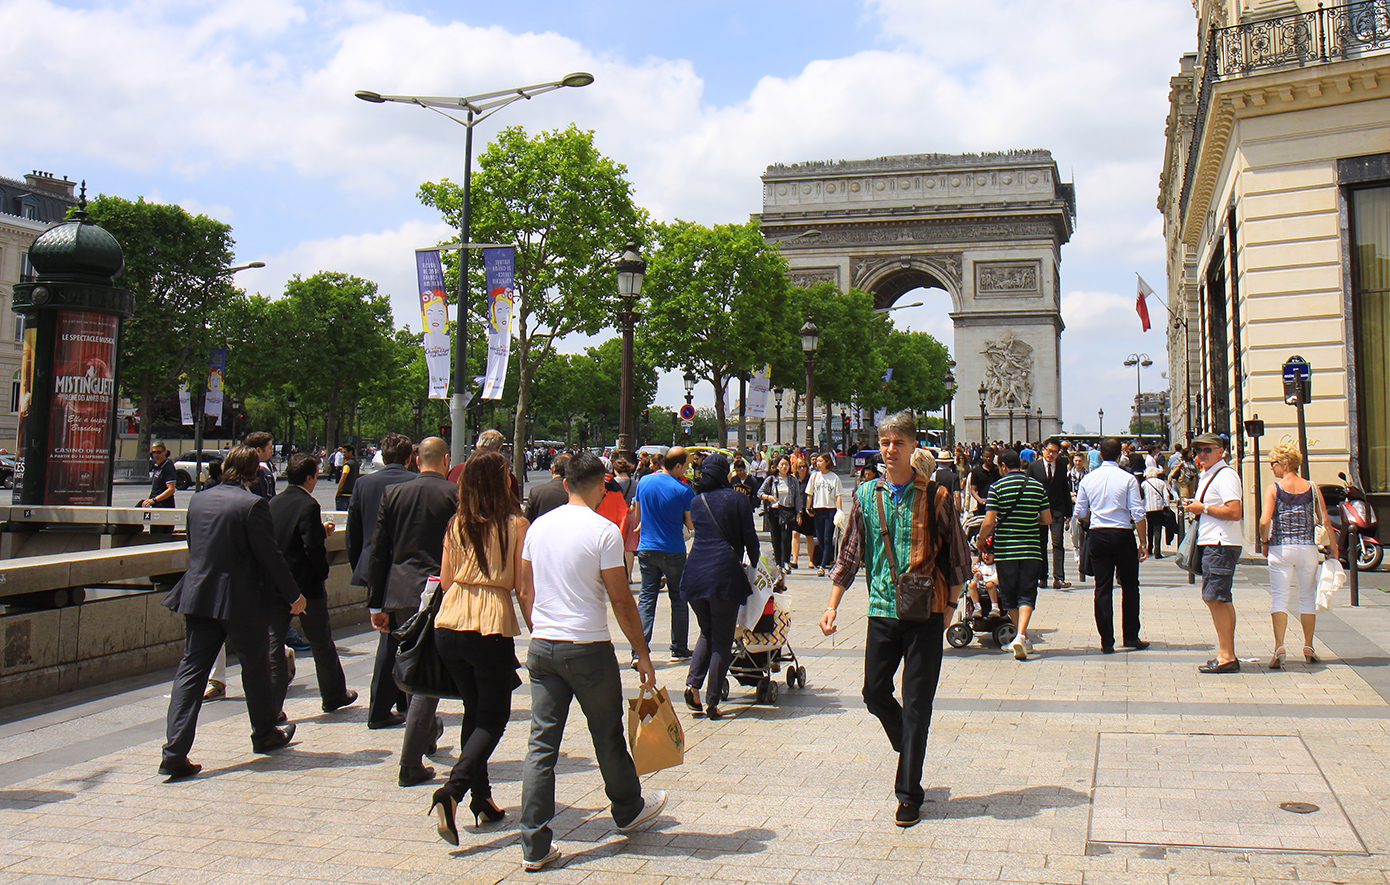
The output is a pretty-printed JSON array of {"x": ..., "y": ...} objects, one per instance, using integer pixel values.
[
  {"x": 419, "y": 669},
  {"x": 915, "y": 590}
]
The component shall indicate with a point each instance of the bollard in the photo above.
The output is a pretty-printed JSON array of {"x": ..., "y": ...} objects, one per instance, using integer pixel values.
[{"x": 1354, "y": 556}]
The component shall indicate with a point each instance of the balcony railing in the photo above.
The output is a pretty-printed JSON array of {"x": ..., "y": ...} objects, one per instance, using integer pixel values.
[{"x": 1328, "y": 34}]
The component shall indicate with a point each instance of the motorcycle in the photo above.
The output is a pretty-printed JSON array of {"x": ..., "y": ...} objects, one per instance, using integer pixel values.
[{"x": 1347, "y": 507}]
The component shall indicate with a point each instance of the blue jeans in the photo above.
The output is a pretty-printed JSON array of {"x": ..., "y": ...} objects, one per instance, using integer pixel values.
[
  {"x": 655, "y": 564},
  {"x": 586, "y": 672},
  {"x": 825, "y": 536}
]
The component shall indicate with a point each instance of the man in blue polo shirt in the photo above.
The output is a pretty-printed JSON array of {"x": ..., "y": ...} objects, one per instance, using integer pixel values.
[{"x": 663, "y": 506}]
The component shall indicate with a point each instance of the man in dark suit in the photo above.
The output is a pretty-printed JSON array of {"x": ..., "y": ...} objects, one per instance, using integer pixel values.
[
  {"x": 235, "y": 574},
  {"x": 1051, "y": 471},
  {"x": 365, "y": 504},
  {"x": 549, "y": 495},
  {"x": 300, "y": 534},
  {"x": 406, "y": 550}
]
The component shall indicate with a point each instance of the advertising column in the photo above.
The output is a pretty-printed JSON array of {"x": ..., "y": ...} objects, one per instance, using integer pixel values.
[{"x": 81, "y": 422}]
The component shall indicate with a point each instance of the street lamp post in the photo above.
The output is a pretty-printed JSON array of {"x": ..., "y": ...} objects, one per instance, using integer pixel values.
[
  {"x": 984, "y": 417},
  {"x": 236, "y": 417},
  {"x": 1139, "y": 361},
  {"x": 358, "y": 439},
  {"x": 479, "y": 108},
  {"x": 809, "y": 337},
  {"x": 1100, "y": 417},
  {"x": 199, "y": 418},
  {"x": 291, "y": 402},
  {"x": 1040, "y": 417},
  {"x": 689, "y": 380},
  {"x": 777, "y": 392},
  {"x": 949, "y": 385},
  {"x": 416, "y": 408},
  {"x": 1012, "y": 404},
  {"x": 631, "y": 270}
]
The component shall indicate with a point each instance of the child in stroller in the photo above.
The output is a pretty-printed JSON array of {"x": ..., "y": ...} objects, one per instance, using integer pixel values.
[
  {"x": 971, "y": 615},
  {"x": 985, "y": 575}
]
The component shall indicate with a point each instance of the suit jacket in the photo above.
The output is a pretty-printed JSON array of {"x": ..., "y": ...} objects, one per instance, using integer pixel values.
[
  {"x": 409, "y": 543},
  {"x": 300, "y": 536},
  {"x": 1058, "y": 487},
  {"x": 363, "y": 510},
  {"x": 545, "y": 498},
  {"x": 235, "y": 571}
]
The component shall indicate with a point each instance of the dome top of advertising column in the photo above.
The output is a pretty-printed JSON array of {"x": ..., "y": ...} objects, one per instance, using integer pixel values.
[{"x": 77, "y": 251}]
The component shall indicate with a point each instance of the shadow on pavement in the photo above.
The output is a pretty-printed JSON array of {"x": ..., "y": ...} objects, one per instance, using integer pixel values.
[
  {"x": 293, "y": 758},
  {"x": 1006, "y": 805},
  {"x": 23, "y": 800}
]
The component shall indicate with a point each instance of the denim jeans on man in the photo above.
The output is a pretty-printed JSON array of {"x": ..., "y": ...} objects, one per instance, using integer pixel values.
[
  {"x": 587, "y": 672},
  {"x": 655, "y": 565}
]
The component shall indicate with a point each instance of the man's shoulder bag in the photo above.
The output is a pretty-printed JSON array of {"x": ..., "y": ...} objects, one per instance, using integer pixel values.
[{"x": 915, "y": 590}]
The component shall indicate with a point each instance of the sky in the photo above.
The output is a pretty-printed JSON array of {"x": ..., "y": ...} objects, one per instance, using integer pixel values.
[{"x": 243, "y": 110}]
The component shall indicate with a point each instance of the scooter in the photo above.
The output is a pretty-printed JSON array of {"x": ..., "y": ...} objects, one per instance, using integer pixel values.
[{"x": 1348, "y": 508}]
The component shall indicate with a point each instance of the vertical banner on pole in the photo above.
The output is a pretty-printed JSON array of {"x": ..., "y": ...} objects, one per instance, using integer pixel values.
[
  {"x": 434, "y": 313},
  {"x": 883, "y": 413},
  {"x": 498, "y": 272},
  {"x": 217, "y": 368},
  {"x": 185, "y": 403},
  {"x": 757, "y": 393},
  {"x": 84, "y": 400}
]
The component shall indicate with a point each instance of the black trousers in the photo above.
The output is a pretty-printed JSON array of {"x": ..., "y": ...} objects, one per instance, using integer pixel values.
[
  {"x": 385, "y": 693},
  {"x": 203, "y": 639},
  {"x": 715, "y": 648},
  {"x": 781, "y": 537},
  {"x": 484, "y": 669},
  {"x": 1155, "y": 522},
  {"x": 1056, "y": 532},
  {"x": 1115, "y": 554},
  {"x": 916, "y": 645},
  {"x": 318, "y": 631}
]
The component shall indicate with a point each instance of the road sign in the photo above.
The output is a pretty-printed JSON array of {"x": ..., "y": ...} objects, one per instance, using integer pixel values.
[
  {"x": 1297, "y": 367},
  {"x": 687, "y": 424},
  {"x": 1298, "y": 380},
  {"x": 687, "y": 412}
]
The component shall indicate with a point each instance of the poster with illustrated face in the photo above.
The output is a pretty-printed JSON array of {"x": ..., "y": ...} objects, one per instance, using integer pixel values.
[
  {"x": 434, "y": 313},
  {"x": 83, "y": 412},
  {"x": 499, "y": 264}
]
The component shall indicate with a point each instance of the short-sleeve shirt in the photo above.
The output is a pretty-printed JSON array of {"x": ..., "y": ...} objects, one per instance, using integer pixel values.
[
  {"x": 1224, "y": 486},
  {"x": 160, "y": 477},
  {"x": 664, "y": 501},
  {"x": 981, "y": 479},
  {"x": 568, "y": 547},
  {"x": 1017, "y": 498}
]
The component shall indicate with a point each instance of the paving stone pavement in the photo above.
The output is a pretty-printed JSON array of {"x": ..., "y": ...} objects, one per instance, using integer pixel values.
[{"x": 798, "y": 793}]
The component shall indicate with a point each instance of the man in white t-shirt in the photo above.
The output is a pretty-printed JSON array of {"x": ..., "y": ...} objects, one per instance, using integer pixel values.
[
  {"x": 572, "y": 570},
  {"x": 1219, "y": 510}
]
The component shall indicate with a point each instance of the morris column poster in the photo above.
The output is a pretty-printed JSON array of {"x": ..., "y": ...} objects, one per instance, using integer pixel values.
[{"x": 84, "y": 402}]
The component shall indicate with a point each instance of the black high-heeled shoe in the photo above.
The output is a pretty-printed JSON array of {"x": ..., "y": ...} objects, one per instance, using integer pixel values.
[
  {"x": 443, "y": 808},
  {"x": 484, "y": 809}
]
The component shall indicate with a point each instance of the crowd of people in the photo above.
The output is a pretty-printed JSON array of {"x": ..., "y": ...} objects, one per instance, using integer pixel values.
[{"x": 928, "y": 529}]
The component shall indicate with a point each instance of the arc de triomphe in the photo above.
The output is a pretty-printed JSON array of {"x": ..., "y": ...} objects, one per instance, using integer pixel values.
[{"x": 987, "y": 228}]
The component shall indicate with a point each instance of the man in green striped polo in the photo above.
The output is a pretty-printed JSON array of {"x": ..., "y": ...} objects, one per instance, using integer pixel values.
[{"x": 1017, "y": 504}]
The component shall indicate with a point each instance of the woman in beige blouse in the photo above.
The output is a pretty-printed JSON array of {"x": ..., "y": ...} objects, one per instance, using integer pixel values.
[{"x": 475, "y": 627}]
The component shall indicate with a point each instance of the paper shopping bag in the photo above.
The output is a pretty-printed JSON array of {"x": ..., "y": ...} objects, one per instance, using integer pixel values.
[{"x": 654, "y": 734}]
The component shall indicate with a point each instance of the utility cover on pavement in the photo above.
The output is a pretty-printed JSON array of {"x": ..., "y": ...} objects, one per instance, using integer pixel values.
[{"x": 1224, "y": 791}]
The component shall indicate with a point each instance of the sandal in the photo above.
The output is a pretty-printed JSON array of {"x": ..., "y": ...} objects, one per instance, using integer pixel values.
[
  {"x": 1277, "y": 662},
  {"x": 1309, "y": 655}
]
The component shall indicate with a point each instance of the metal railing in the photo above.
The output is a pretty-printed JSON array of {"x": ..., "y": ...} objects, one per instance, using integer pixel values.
[{"x": 1327, "y": 34}]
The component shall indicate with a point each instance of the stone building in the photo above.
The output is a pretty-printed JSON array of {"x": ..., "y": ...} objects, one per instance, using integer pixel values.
[
  {"x": 1275, "y": 194},
  {"x": 27, "y": 209}
]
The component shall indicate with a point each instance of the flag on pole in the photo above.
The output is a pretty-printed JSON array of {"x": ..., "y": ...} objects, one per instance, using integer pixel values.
[
  {"x": 1141, "y": 305},
  {"x": 434, "y": 313},
  {"x": 498, "y": 269}
]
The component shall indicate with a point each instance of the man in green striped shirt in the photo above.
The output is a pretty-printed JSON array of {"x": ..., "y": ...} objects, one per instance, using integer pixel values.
[{"x": 1017, "y": 504}]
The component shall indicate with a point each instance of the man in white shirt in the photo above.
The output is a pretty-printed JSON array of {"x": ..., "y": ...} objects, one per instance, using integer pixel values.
[
  {"x": 572, "y": 569},
  {"x": 1109, "y": 503},
  {"x": 1219, "y": 510}
]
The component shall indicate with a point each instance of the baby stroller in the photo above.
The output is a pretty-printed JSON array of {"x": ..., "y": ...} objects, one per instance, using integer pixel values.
[
  {"x": 761, "y": 652},
  {"x": 970, "y": 620}
]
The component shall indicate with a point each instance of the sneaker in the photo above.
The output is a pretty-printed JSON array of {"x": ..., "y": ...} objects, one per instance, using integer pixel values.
[
  {"x": 297, "y": 642},
  {"x": 996, "y": 612},
  {"x": 651, "y": 807},
  {"x": 684, "y": 654},
  {"x": 1027, "y": 645},
  {"x": 1018, "y": 648},
  {"x": 533, "y": 866},
  {"x": 216, "y": 690}
]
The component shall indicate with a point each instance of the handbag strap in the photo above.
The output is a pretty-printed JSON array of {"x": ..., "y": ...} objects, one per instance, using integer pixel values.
[
  {"x": 886, "y": 535},
  {"x": 719, "y": 528},
  {"x": 1203, "y": 493}
]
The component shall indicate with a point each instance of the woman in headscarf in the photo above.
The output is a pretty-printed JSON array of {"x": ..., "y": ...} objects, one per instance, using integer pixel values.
[{"x": 714, "y": 582}]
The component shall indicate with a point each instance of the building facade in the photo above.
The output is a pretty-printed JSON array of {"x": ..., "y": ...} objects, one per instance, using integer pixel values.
[
  {"x": 1275, "y": 194},
  {"x": 27, "y": 209}
]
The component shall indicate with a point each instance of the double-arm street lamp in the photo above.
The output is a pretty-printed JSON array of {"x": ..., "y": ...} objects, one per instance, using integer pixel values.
[
  {"x": 478, "y": 108},
  {"x": 810, "y": 335},
  {"x": 1139, "y": 361},
  {"x": 631, "y": 270}
]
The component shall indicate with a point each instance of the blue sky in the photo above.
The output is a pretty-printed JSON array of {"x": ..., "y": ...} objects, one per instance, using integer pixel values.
[{"x": 243, "y": 110}]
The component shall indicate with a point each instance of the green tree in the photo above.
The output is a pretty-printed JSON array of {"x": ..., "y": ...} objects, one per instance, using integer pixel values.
[
  {"x": 569, "y": 210},
  {"x": 716, "y": 303},
  {"x": 847, "y": 363},
  {"x": 918, "y": 362},
  {"x": 175, "y": 264}
]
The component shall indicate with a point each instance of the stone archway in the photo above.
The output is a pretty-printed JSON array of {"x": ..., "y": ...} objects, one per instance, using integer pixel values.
[{"x": 986, "y": 228}]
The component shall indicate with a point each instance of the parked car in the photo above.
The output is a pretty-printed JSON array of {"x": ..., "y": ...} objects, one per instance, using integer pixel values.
[
  {"x": 8, "y": 465},
  {"x": 184, "y": 465}
]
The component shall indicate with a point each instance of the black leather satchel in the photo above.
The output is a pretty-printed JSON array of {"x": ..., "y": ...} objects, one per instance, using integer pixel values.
[{"x": 419, "y": 669}]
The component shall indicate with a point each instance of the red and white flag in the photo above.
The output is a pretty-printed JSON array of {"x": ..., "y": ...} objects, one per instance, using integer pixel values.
[{"x": 1141, "y": 304}]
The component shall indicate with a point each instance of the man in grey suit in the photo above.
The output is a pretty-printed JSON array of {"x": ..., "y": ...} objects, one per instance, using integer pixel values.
[
  {"x": 406, "y": 550},
  {"x": 235, "y": 575}
]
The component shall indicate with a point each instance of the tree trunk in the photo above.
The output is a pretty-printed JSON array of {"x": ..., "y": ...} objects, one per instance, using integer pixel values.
[
  {"x": 146, "y": 406},
  {"x": 717, "y": 377},
  {"x": 523, "y": 400}
]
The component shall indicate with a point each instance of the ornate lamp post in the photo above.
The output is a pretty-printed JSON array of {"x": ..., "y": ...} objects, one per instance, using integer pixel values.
[
  {"x": 949, "y": 385},
  {"x": 1100, "y": 417},
  {"x": 236, "y": 417},
  {"x": 689, "y": 380},
  {"x": 984, "y": 416},
  {"x": 358, "y": 439},
  {"x": 1139, "y": 361},
  {"x": 416, "y": 408},
  {"x": 777, "y": 393},
  {"x": 1012, "y": 404},
  {"x": 291, "y": 402},
  {"x": 631, "y": 269},
  {"x": 810, "y": 335},
  {"x": 479, "y": 108},
  {"x": 1040, "y": 417}
]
